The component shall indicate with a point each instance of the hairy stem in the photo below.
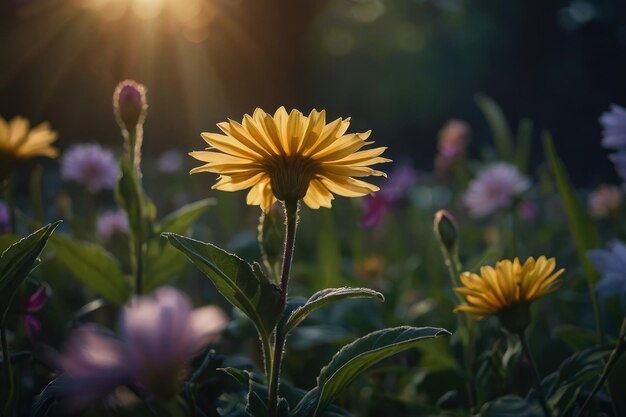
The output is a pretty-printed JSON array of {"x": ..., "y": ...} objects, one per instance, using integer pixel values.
[{"x": 291, "y": 224}]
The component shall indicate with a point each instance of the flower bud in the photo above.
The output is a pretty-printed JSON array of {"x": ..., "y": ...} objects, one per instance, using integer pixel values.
[
  {"x": 446, "y": 230},
  {"x": 129, "y": 104}
]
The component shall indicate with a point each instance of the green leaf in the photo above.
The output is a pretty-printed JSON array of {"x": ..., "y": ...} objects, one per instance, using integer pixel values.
[
  {"x": 163, "y": 262},
  {"x": 509, "y": 406},
  {"x": 577, "y": 338},
  {"x": 524, "y": 136},
  {"x": 583, "y": 231},
  {"x": 244, "y": 286},
  {"x": 182, "y": 219},
  {"x": 325, "y": 297},
  {"x": 563, "y": 386},
  {"x": 240, "y": 375},
  {"x": 18, "y": 260},
  {"x": 7, "y": 240},
  {"x": 356, "y": 357},
  {"x": 94, "y": 267},
  {"x": 499, "y": 127}
]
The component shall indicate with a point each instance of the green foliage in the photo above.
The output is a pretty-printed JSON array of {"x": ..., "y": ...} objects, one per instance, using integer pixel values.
[
  {"x": 17, "y": 261},
  {"x": 563, "y": 386},
  {"x": 93, "y": 266},
  {"x": 524, "y": 137},
  {"x": 580, "y": 224},
  {"x": 244, "y": 286},
  {"x": 503, "y": 139},
  {"x": 325, "y": 297},
  {"x": 130, "y": 198},
  {"x": 510, "y": 406},
  {"x": 356, "y": 357},
  {"x": 163, "y": 262}
]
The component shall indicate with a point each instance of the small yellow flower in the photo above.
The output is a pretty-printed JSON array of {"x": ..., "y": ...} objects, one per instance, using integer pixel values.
[
  {"x": 18, "y": 141},
  {"x": 508, "y": 288},
  {"x": 289, "y": 156}
]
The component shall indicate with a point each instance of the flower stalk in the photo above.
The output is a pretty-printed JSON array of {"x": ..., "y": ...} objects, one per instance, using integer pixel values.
[{"x": 291, "y": 225}]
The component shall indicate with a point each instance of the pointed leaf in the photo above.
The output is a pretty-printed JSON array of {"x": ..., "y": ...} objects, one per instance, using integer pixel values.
[
  {"x": 182, "y": 219},
  {"x": 583, "y": 231},
  {"x": 325, "y": 297},
  {"x": 499, "y": 127},
  {"x": 93, "y": 266},
  {"x": 18, "y": 260},
  {"x": 355, "y": 358},
  {"x": 245, "y": 287}
]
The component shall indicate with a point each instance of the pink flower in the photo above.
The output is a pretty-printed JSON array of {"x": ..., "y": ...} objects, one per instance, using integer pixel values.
[
  {"x": 528, "y": 210},
  {"x": 494, "y": 188},
  {"x": 159, "y": 335},
  {"x": 112, "y": 222},
  {"x": 374, "y": 208},
  {"x": 453, "y": 139},
  {"x": 90, "y": 165},
  {"x": 32, "y": 325},
  {"x": 604, "y": 201}
]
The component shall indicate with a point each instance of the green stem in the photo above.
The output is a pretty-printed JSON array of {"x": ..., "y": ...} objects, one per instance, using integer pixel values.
[
  {"x": 8, "y": 368},
  {"x": 514, "y": 232},
  {"x": 535, "y": 374},
  {"x": 291, "y": 223},
  {"x": 620, "y": 347},
  {"x": 453, "y": 265}
]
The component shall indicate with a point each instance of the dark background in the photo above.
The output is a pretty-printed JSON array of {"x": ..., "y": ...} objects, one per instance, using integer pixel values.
[{"x": 398, "y": 67}]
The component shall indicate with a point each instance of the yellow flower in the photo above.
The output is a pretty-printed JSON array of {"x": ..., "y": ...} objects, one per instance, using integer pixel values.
[
  {"x": 508, "y": 289},
  {"x": 18, "y": 141},
  {"x": 289, "y": 156}
]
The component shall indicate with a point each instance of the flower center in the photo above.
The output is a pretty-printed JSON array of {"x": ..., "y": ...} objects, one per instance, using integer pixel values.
[{"x": 290, "y": 175}]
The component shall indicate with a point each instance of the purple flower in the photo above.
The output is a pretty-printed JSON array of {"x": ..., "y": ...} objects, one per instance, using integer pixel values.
[
  {"x": 612, "y": 264},
  {"x": 90, "y": 165},
  {"x": 112, "y": 222},
  {"x": 494, "y": 188},
  {"x": 170, "y": 161},
  {"x": 159, "y": 335},
  {"x": 528, "y": 210},
  {"x": 5, "y": 218},
  {"x": 400, "y": 179},
  {"x": 392, "y": 190},
  {"x": 32, "y": 325},
  {"x": 614, "y": 128}
]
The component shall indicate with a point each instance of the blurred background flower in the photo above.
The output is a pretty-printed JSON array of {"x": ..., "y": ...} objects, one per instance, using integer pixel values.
[
  {"x": 495, "y": 188},
  {"x": 90, "y": 165},
  {"x": 5, "y": 218},
  {"x": 112, "y": 222},
  {"x": 159, "y": 334},
  {"x": 605, "y": 201},
  {"x": 611, "y": 263}
]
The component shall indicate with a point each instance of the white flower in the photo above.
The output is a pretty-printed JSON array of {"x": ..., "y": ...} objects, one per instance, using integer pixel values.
[
  {"x": 112, "y": 222},
  {"x": 494, "y": 188},
  {"x": 90, "y": 165}
]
